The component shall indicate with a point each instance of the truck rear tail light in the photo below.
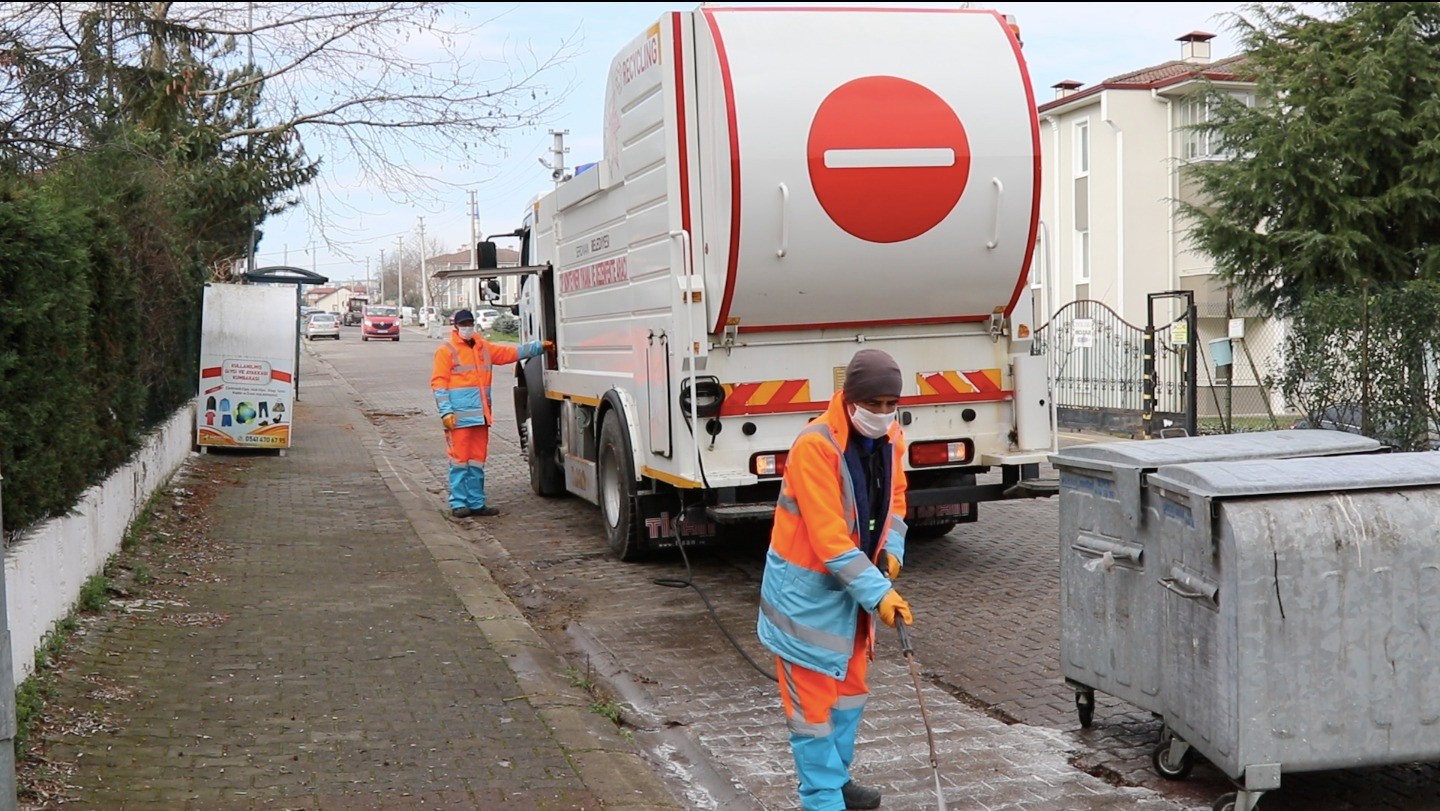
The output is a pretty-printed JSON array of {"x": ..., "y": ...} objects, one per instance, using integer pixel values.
[
  {"x": 768, "y": 464},
  {"x": 928, "y": 454}
]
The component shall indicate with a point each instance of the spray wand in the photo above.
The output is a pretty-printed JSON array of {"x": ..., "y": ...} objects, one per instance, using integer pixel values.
[{"x": 909, "y": 651}]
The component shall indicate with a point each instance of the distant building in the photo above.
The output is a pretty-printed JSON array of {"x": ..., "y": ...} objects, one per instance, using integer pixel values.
[
  {"x": 335, "y": 299},
  {"x": 450, "y": 294},
  {"x": 1117, "y": 157}
]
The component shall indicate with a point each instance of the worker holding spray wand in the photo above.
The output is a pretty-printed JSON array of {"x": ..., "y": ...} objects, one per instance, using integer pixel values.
[{"x": 837, "y": 544}]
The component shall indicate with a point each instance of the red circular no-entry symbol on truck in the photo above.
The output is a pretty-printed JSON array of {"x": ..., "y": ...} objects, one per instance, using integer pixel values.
[{"x": 888, "y": 158}]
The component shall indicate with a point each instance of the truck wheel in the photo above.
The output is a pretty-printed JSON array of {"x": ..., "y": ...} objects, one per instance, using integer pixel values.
[
  {"x": 617, "y": 490},
  {"x": 542, "y": 429}
]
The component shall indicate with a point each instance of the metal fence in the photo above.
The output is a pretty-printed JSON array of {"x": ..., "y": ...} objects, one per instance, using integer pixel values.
[{"x": 1098, "y": 371}]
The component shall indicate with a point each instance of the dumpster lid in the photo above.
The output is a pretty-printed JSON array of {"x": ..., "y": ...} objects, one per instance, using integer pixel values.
[
  {"x": 1154, "y": 453},
  {"x": 1262, "y": 477}
]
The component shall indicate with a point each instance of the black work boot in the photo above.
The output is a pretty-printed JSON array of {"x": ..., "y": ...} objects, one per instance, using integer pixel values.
[
  {"x": 460, "y": 512},
  {"x": 486, "y": 511},
  {"x": 860, "y": 798}
]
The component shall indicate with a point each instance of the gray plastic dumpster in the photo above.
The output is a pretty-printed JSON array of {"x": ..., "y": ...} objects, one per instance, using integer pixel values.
[
  {"x": 1109, "y": 572},
  {"x": 1300, "y": 614}
]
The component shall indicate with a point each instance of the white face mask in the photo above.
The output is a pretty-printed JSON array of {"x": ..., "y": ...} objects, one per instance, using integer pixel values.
[
  {"x": 466, "y": 333},
  {"x": 870, "y": 424}
]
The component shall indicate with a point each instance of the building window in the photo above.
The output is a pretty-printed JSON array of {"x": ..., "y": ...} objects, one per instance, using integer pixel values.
[
  {"x": 1082, "y": 256},
  {"x": 1082, "y": 148},
  {"x": 1194, "y": 113}
]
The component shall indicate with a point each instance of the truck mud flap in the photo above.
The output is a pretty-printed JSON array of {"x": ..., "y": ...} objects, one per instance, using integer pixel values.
[{"x": 661, "y": 518}]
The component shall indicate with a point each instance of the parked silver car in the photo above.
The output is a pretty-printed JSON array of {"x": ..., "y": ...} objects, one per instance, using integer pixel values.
[{"x": 321, "y": 325}]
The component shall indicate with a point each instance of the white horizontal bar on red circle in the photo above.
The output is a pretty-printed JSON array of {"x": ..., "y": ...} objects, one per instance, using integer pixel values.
[{"x": 888, "y": 158}]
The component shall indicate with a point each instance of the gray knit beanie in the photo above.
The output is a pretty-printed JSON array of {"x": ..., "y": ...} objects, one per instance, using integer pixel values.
[{"x": 871, "y": 373}]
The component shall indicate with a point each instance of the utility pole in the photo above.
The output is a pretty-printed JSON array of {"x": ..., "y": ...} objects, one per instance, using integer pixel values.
[
  {"x": 472, "y": 285},
  {"x": 9, "y": 788},
  {"x": 249, "y": 139},
  {"x": 400, "y": 277},
  {"x": 424, "y": 280},
  {"x": 556, "y": 164},
  {"x": 380, "y": 297}
]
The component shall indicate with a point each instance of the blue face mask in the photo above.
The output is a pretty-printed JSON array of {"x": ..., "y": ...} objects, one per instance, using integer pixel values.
[{"x": 466, "y": 333}]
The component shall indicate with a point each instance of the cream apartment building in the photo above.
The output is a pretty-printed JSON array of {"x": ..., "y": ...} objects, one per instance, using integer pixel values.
[{"x": 1115, "y": 158}]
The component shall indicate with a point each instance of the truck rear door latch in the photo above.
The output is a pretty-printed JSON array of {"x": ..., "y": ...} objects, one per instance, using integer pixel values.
[{"x": 997, "y": 324}]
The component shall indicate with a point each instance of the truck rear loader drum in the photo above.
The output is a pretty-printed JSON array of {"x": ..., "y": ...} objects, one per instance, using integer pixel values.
[
  {"x": 542, "y": 430},
  {"x": 617, "y": 489}
]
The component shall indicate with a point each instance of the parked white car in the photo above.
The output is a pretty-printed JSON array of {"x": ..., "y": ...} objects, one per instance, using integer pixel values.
[
  {"x": 322, "y": 325},
  {"x": 485, "y": 319}
]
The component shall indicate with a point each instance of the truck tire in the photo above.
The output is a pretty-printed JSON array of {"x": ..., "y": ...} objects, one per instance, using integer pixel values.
[
  {"x": 617, "y": 490},
  {"x": 542, "y": 431}
]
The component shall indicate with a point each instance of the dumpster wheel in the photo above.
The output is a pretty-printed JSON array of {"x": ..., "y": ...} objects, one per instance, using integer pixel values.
[
  {"x": 1166, "y": 767},
  {"x": 1085, "y": 707},
  {"x": 1237, "y": 801}
]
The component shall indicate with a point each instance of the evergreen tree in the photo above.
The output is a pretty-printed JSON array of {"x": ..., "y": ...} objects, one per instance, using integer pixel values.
[{"x": 1334, "y": 174}]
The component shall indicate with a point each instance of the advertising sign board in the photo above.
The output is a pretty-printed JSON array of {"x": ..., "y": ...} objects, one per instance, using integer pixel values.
[{"x": 248, "y": 337}]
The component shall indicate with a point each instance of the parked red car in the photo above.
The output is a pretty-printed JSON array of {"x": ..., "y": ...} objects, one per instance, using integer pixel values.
[{"x": 380, "y": 322}]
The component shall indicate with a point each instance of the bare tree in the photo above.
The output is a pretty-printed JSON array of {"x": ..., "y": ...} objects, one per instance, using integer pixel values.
[{"x": 352, "y": 84}]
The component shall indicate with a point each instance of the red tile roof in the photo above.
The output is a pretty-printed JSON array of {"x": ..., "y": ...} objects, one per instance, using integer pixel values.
[{"x": 1229, "y": 69}]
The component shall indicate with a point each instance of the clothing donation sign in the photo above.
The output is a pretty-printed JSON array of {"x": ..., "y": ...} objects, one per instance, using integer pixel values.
[{"x": 248, "y": 345}]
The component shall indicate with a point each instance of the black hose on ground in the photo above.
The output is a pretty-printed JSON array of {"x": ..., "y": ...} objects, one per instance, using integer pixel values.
[{"x": 678, "y": 583}]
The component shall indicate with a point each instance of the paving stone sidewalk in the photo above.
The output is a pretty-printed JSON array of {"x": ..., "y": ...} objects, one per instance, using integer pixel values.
[{"x": 345, "y": 650}]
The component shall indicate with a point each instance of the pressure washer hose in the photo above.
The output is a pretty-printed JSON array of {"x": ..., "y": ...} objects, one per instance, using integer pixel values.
[{"x": 676, "y": 583}]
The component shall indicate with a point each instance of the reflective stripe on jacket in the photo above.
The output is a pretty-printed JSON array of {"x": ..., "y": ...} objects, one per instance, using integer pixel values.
[
  {"x": 816, "y": 578},
  {"x": 461, "y": 375}
]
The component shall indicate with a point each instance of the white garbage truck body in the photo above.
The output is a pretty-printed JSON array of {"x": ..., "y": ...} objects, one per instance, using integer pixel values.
[{"x": 781, "y": 187}]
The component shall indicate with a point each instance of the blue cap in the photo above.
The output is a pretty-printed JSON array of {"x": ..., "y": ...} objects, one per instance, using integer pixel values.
[{"x": 464, "y": 317}]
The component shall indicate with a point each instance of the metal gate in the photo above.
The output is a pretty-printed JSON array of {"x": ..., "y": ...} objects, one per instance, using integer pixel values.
[{"x": 1097, "y": 371}]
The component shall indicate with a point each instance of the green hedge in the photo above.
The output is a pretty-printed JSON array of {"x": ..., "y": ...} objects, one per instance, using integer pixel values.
[{"x": 99, "y": 329}]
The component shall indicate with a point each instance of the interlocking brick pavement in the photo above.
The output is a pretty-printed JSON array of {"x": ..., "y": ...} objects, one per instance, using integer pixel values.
[
  {"x": 660, "y": 650},
  {"x": 986, "y": 638},
  {"x": 355, "y": 655}
]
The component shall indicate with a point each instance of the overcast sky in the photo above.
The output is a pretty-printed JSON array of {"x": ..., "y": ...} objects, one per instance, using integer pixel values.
[{"x": 1085, "y": 42}]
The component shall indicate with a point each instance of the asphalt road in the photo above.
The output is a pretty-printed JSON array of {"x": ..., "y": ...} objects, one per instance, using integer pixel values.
[{"x": 987, "y": 634}]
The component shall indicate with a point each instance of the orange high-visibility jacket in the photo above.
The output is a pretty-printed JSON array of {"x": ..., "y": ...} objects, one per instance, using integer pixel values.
[
  {"x": 461, "y": 375},
  {"x": 816, "y": 578}
]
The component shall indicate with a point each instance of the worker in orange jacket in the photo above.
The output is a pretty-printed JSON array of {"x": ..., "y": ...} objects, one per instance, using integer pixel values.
[
  {"x": 837, "y": 544},
  {"x": 460, "y": 379}
]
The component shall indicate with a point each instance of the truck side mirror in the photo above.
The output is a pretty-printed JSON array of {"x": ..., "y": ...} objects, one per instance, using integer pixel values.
[{"x": 485, "y": 255}]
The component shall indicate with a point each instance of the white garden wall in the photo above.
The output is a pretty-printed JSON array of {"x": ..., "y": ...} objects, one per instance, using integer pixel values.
[{"x": 45, "y": 570}]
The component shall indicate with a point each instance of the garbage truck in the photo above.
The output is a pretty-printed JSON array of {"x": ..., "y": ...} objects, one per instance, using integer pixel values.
[
  {"x": 781, "y": 187},
  {"x": 355, "y": 310}
]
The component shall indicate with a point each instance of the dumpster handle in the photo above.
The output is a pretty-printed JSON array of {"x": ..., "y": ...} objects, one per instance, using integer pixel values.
[
  {"x": 1209, "y": 594},
  {"x": 1091, "y": 546}
]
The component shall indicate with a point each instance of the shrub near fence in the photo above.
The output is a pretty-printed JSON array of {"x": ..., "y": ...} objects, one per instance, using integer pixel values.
[{"x": 1374, "y": 348}]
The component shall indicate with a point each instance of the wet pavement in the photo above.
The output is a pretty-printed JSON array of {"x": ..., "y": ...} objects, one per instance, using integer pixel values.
[{"x": 537, "y": 590}]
